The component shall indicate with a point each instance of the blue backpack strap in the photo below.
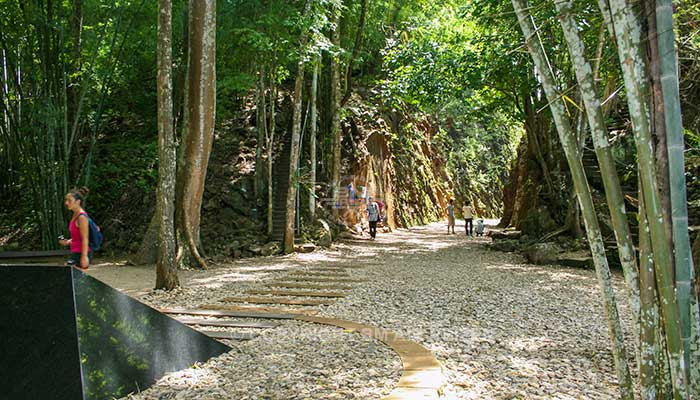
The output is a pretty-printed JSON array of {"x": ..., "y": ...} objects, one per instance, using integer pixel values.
[{"x": 77, "y": 223}]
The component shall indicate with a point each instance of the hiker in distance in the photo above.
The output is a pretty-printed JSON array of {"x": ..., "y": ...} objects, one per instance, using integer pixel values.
[
  {"x": 468, "y": 214},
  {"x": 451, "y": 216},
  {"x": 79, "y": 228},
  {"x": 372, "y": 216}
]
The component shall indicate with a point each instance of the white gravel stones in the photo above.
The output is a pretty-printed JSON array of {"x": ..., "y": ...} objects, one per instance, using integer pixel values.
[
  {"x": 501, "y": 328},
  {"x": 294, "y": 361}
]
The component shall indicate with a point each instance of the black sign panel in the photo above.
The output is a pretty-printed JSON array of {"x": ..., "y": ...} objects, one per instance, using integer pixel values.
[{"x": 66, "y": 335}]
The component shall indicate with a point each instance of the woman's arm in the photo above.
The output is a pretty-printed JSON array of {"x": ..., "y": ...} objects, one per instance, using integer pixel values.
[{"x": 84, "y": 226}]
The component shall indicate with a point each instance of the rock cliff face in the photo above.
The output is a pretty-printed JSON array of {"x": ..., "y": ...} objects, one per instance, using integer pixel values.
[{"x": 393, "y": 159}]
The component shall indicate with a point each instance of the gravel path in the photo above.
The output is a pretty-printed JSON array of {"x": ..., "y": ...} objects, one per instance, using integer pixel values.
[{"x": 502, "y": 329}]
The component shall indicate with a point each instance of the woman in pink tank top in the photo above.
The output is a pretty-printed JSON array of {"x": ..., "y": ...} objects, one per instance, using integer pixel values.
[{"x": 79, "y": 228}]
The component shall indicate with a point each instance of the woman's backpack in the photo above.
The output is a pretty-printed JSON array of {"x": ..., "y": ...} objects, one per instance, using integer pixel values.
[{"x": 95, "y": 237}]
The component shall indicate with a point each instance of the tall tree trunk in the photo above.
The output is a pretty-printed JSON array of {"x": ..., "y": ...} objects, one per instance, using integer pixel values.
[
  {"x": 632, "y": 61},
  {"x": 336, "y": 132},
  {"x": 166, "y": 267},
  {"x": 270, "y": 142},
  {"x": 261, "y": 113},
  {"x": 684, "y": 271},
  {"x": 200, "y": 110},
  {"x": 296, "y": 133},
  {"x": 595, "y": 240},
  {"x": 312, "y": 138},
  {"x": 511, "y": 187},
  {"x": 599, "y": 133}
]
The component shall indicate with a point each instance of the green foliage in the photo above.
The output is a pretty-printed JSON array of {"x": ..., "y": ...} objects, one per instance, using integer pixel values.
[{"x": 442, "y": 64}]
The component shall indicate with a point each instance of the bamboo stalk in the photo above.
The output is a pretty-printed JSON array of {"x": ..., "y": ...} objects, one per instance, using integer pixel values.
[
  {"x": 312, "y": 138},
  {"x": 336, "y": 132},
  {"x": 270, "y": 143},
  {"x": 599, "y": 133},
  {"x": 648, "y": 378},
  {"x": 684, "y": 271},
  {"x": 595, "y": 240},
  {"x": 629, "y": 43}
]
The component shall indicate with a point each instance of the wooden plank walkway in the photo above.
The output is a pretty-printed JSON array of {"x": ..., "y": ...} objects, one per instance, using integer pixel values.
[
  {"x": 322, "y": 280},
  {"x": 290, "y": 313},
  {"x": 227, "y": 312},
  {"x": 328, "y": 269},
  {"x": 321, "y": 274},
  {"x": 229, "y": 335},
  {"x": 308, "y": 286},
  {"x": 277, "y": 300},
  {"x": 421, "y": 377},
  {"x": 299, "y": 293},
  {"x": 422, "y": 373},
  {"x": 226, "y": 323}
]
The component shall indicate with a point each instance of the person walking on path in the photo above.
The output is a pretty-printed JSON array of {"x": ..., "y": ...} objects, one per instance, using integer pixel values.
[
  {"x": 451, "y": 216},
  {"x": 372, "y": 216},
  {"x": 79, "y": 228},
  {"x": 468, "y": 213}
]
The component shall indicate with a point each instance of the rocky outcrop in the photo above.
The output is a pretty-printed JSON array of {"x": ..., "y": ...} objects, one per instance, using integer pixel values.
[{"x": 542, "y": 253}]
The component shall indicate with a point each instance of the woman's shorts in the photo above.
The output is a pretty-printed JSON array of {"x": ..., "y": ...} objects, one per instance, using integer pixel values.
[{"x": 74, "y": 260}]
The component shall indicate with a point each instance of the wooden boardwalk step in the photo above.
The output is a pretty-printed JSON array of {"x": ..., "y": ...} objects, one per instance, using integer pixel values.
[
  {"x": 308, "y": 286},
  {"x": 261, "y": 270},
  {"x": 229, "y": 335},
  {"x": 227, "y": 312},
  {"x": 322, "y": 280},
  {"x": 335, "y": 268},
  {"x": 300, "y": 293},
  {"x": 322, "y": 274},
  {"x": 263, "y": 310},
  {"x": 226, "y": 323},
  {"x": 277, "y": 300}
]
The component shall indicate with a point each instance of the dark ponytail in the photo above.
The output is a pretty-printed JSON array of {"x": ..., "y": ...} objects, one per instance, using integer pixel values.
[{"x": 80, "y": 194}]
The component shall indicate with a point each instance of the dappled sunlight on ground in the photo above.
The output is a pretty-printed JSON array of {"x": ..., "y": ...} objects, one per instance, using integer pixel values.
[
  {"x": 221, "y": 279},
  {"x": 502, "y": 328}
]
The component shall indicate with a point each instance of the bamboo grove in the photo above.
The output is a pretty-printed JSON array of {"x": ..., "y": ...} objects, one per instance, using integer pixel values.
[{"x": 660, "y": 287}]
